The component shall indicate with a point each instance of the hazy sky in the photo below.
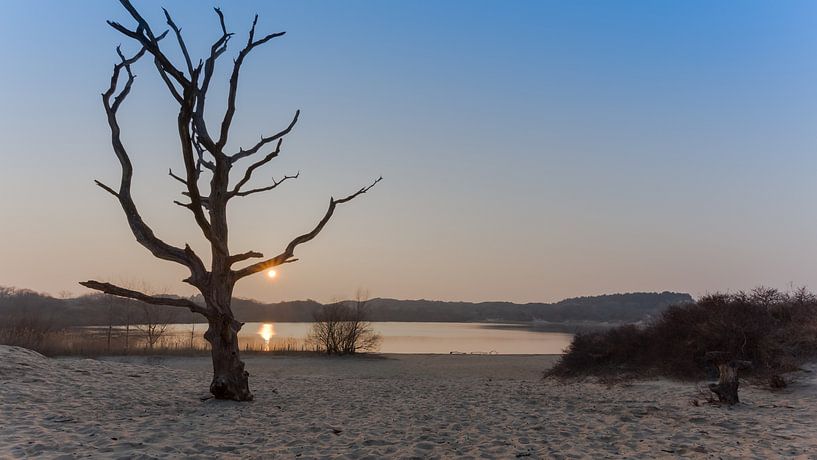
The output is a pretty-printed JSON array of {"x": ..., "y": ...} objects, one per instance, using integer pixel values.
[{"x": 531, "y": 150}]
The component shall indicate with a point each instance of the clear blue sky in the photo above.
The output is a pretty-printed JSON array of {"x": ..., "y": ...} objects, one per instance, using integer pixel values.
[{"x": 531, "y": 150}]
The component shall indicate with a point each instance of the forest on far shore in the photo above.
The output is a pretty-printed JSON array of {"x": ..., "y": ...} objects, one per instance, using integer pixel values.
[{"x": 101, "y": 309}]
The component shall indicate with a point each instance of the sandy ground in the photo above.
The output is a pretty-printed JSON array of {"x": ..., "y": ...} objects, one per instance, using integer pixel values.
[{"x": 402, "y": 406}]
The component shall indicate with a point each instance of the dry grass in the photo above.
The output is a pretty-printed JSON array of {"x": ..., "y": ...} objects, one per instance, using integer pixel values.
[{"x": 34, "y": 333}]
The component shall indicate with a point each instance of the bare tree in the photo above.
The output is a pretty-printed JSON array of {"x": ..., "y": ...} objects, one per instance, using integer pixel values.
[
  {"x": 154, "y": 322},
  {"x": 343, "y": 328},
  {"x": 204, "y": 154}
]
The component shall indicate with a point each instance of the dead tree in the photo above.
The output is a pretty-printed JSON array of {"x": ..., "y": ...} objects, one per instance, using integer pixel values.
[
  {"x": 204, "y": 154},
  {"x": 727, "y": 387}
]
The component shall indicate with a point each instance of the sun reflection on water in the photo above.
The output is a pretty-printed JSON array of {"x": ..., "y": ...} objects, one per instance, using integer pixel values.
[{"x": 266, "y": 331}]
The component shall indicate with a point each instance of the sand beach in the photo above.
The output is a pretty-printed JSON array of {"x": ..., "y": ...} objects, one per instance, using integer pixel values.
[{"x": 404, "y": 406}]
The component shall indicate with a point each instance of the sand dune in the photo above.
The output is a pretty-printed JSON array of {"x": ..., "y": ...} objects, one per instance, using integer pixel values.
[{"x": 394, "y": 406}]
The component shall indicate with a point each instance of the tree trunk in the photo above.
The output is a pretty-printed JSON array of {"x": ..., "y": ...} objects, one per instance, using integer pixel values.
[
  {"x": 727, "y": 387},
  {"x": 230, "y": 380}
]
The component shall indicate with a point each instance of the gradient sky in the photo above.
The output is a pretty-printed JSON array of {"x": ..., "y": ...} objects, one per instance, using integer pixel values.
[{"x": 531, "y": 150}]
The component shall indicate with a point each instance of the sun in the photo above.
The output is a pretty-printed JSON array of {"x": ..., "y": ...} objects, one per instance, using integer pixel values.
[{"x": 272, "y": 273}]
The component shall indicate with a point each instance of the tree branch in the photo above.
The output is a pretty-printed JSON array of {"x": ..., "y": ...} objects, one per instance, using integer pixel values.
[
  {"x": 111, "y": 289},
  {"x": 275, "y": 183},
  {"x": 244, "y": 256},
  {"x": 205, "y": 202},
  {"x": 200, "y": 149},
  {"x": 143, "y": 233},
  {"x": 144, "y": 35},
  {"x": 228, "y": 115},
  {"x": 187, "y": 121},
  {"x": 106, "y": 188},
  {"x": 179, "y": 39},
  {"x": 187, "y": 145},
  {"x": 170, "y": 171},
  {"x": 266, "y": 140},
  {"x": 216, "y": 50},
  {"x": 256, "y": 165},
  {"x": 289, "y": 252}
]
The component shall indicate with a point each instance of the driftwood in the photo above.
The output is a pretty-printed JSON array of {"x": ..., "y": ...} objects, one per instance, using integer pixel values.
[
  {"x": 206, "y": 160},
  {"x": 727, "y": 387}
]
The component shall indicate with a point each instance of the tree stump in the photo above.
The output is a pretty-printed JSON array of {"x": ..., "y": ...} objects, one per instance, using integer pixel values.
[
  {"x": 727, "y": 387},
  {"x": 777, "y": 382}
]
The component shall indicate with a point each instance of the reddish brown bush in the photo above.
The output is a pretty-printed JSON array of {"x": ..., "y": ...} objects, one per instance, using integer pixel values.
[{"x": 776, "y": 331}]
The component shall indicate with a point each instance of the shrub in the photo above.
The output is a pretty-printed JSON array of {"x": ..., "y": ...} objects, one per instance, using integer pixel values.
[
  {"x": 775, "y": 331},
  {"x": 27, "y": 330},
  {"x": 343, "y": 328}
]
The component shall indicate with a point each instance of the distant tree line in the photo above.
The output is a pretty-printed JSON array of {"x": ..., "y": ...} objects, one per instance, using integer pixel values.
[{"x": 99, "y": 309}]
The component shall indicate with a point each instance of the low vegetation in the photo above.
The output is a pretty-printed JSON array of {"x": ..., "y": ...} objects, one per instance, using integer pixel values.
[
  {"x": 26, "y": 330},
  {"x": 774, "y": 331},
  {"x": 344, "y": 328},
  {"x": 155, "y": 339}
]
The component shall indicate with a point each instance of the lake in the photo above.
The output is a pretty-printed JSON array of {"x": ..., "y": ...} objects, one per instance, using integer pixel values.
[{"x": 399, "y": 337}]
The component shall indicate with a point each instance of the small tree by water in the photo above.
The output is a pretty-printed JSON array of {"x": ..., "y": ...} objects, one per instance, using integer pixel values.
[
  {"x": 154, "y": 323},
  {"x": 343, "y": 328}
]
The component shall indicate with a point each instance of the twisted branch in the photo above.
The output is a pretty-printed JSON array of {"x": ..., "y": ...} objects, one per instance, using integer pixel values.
[
  {"x": 118, "y": 291},
  {"x": 143, "y": 233},
  {"x": 228, "y": 115},
  {"x": 289, "y": 252},
  {"x": 266, "y": 140},
  {"x": 275, "y": 183}
]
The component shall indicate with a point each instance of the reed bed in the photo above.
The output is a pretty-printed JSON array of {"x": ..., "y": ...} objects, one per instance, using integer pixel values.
[{"x": 40, "y": 336}]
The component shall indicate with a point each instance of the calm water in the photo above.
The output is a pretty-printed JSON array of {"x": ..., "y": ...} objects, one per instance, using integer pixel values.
[{"x": 416, "y": 337}]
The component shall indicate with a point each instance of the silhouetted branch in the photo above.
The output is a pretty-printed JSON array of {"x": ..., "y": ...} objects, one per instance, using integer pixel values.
[
  {"x": 244, "y": 256},
  {"x": 144, "y": 35},
  {"x": 358, "y": 193},
  {"x": 170, "y": 171},
  {"x": 205, "y": 202},
  {"x": 143, "y": 233},
  {"x": 228, "y": 115},
  {"x": 106, "y": 188},
  {"x": 125, "y": 63},
  {"x": 187, "y": 145},
  {"x": 286, "y": 256},
  {"x": 248, "y": 175},
  {"x": 111, "y": 289},
  {"x": 179, "y": 39},
  {"x": 256, "y": 165},
  {"x": 199, "y": 148},
  {"x": 187, "y": 101},
  {"x": 266, "y": 140},
  {"x": 264, "y": 189},
  {"x": 216, "y": 50}
]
